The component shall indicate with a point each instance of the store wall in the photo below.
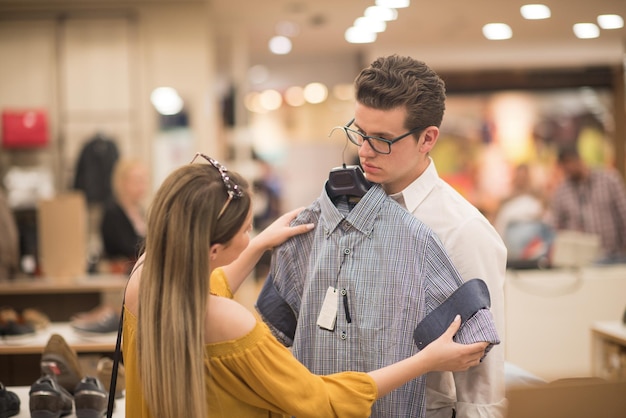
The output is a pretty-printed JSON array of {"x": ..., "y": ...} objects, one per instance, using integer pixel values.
[{"x": 93, "y": 71}]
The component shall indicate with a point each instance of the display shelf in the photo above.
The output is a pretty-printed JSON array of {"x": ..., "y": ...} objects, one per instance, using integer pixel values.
[
  {"x": 61, "y": 299},
  {"x": 47, "y": 285},
  {"x": 82, "y": 343}
]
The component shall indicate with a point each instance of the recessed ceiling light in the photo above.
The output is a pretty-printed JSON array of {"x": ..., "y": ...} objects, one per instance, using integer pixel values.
[
  {"x": 381, "y": 13},
  {"x": 280, "y": 45},
  {"x": 370, "y": 24},
  {"x": 586, "y": 30},
  {"x": 166, "y": 100},
  {"x": 535, "y": 11},
  {"x": 315, "y": 93},
  {"x": 610, "y": 21},
  {"x": 358, "y": 35},
  {"x": 497, "y": 31}
]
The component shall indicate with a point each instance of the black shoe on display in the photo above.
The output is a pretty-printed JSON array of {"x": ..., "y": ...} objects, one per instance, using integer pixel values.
[
  {"x": 9, "y": 403},
  {"x": 91, "y": 398},
  {"x": 48, "y": 399}
]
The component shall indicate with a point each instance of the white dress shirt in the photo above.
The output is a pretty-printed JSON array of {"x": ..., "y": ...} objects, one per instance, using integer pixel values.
[{"x": 476, "y": 250}]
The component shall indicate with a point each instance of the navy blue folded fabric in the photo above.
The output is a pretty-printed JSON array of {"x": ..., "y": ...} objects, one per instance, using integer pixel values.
[
  {"x": 468, "y": 299},
  {"x": 276, "y": 312}
]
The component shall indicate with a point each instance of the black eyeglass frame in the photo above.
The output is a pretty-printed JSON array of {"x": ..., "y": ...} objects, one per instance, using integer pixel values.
[
  {"x": 352, "y": 135},
  {"x": 232, "y": 189}
]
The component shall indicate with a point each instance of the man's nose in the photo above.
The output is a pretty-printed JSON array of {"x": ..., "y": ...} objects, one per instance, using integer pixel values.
[{"x": 366, "y": 149}]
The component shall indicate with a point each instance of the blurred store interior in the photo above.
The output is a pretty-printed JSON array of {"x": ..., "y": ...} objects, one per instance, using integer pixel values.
[{"x": 81, "y": 69}]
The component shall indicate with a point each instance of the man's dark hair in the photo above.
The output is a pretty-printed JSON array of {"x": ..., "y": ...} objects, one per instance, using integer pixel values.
[{"x": 394, "y": 81}]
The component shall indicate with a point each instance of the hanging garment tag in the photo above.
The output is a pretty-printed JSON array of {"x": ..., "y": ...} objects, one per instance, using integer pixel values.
[{"x": 328, "y": 314}]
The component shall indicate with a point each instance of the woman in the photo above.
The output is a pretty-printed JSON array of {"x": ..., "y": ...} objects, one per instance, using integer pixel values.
[
  {"x": 191, "y": 351},
  {"x": 123, "y": 221}
]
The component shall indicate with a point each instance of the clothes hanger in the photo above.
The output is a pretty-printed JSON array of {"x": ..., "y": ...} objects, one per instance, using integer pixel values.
[{"x": 347, "y": 180}]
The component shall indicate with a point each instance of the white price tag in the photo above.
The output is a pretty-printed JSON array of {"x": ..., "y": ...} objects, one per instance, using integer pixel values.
[{"x": 328, "y": 314}]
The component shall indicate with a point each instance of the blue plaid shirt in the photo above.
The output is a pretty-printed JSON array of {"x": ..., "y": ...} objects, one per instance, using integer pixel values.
[{"x": 390, "y": 271}]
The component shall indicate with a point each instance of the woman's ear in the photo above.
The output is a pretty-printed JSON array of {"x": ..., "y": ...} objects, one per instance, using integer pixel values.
[
  {"x": 214, "y": 251},
  {"x": 430, "y": 134}
]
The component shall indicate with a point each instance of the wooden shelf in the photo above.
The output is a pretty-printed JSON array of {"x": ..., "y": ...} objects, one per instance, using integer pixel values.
[
  {"x": 80, "y": 342},
  {"x": 46, "y": 285}
]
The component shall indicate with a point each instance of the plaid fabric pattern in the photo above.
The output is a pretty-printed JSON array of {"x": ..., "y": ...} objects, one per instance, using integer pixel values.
[{"x": 390, "y": 271}]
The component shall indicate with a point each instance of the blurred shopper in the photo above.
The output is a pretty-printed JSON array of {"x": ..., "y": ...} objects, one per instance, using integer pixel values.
[
  {"x": 591, "y": 201},
  {"x": 520, "y": 221},
  {"x": 123, "y": 224}
]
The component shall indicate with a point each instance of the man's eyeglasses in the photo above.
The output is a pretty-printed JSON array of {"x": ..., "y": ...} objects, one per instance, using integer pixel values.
[
  {"x": 379, "y": 145},
  {"x": 232, "y": 189}
]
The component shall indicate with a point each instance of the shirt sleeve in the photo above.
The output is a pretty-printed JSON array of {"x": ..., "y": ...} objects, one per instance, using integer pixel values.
[
  {"x": 276, "y": 381},
  {"x": 219, "y": 284},
  {"x": 480, "y": 390}
]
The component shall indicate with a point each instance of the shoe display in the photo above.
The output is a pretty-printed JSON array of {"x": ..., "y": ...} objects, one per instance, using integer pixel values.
[
  {"x": 35, "y": 318},
  {"x": 105, "y": 372},
  {"x": 13, "y": 328},
  {"x": 101, "y": 320},
  {"x": 9, "y": 403},
  {"x": 48, "y": 399},
  {"x": 91, "y": 398},
  {"x": 60, "y": 360}
]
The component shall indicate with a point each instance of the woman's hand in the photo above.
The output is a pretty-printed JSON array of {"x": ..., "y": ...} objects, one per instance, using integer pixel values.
[
  {"x": 275, "y": 234},
  {"x": 279, "y": 231},
  {"x": 446, "y": 355}
]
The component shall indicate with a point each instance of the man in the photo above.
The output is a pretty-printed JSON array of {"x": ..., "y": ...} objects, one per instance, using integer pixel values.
[
  {"x": 592, "y": 201},
  {"x": 399, "y": 107},
  {"x": 399, "y": 94}
]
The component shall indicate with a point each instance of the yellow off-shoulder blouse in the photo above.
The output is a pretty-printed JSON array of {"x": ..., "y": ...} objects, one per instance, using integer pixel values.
[{"x": 256, "y": 376}]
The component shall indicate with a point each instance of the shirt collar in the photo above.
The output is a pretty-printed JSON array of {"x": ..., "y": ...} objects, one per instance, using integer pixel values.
[
  {"x": 415, "y": 193},
  {"x": 361, "y": 217}
]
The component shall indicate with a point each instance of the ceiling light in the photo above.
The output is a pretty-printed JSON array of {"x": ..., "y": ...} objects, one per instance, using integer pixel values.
[
  {"x": 356, "y": 35},
  {"x": 497, "y": 31},
  {"x": 535, "y": 11},
  {"x": 166, "y": 100},
  {"x": 270, "y": 99},
  {"x": 381, "y": 13},
  {"x": 586, "y": 30},
  {"x": 370, "y": 24},
  {"x": 315, "y": 93},
  {"x": 294, "y": 96},
  {"x": 394, "y": 4},
  {"x": 610, "y": 21},
  {"x": 280, "y": 45}
]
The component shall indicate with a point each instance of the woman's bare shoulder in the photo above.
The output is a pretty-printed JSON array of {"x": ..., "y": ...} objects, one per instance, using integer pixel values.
[{"x": 227, "y": 320}]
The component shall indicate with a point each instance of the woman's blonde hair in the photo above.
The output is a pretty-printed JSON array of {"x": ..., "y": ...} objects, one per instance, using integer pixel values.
[
  {"x": 121, "y": 171},
  {"x": 181, "y": 227}
]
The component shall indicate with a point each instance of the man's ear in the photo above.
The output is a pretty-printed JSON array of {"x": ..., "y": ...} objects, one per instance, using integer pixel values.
[{"x": 430, "y": 135}]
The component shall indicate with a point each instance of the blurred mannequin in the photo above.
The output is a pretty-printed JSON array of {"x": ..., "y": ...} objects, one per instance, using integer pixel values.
[{"x": 123, "y": 220}]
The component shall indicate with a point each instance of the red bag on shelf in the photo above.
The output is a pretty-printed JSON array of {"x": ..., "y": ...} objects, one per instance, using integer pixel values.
[{"x": 24, "y": 128}]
